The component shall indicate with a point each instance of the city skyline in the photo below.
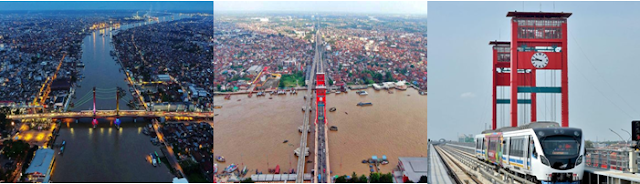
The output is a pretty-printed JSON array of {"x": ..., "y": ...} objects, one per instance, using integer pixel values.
[
  {"x": 363, "y": 7},
  {"x": 105, "y": 5}
]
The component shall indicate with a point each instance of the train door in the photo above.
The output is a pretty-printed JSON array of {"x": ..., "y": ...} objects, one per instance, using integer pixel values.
[
  {"x": 528, "y": 152},
  {"x": 507, "y": 151},
  {"x": 484, "y": 148}
]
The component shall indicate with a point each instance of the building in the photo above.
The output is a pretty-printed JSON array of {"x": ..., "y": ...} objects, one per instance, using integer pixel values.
[
  {"x": 412, "y": 168},
  {"x": 41, "y": 165}
]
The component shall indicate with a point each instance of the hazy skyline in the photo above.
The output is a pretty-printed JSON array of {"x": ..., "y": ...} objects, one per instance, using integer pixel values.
[
  {"x": 602, "y": 72},
  {"x": 106, "y": 5},
  {"x": 377, "y": 7}
]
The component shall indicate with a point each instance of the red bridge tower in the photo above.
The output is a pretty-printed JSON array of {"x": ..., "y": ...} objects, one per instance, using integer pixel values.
[{"x": 538, "y": 42}]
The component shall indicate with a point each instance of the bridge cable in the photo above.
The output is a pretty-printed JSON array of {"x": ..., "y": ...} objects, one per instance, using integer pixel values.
[
  {"x": 599, "y": 75},
  {"x": 601, "y": 93}
]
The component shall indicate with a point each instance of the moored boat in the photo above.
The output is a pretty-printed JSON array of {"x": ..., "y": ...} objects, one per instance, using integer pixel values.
[
  {"x": 231, "y": 168},
  {"x": 220, "y": 159},
  {"x": 244, "y": 171},
  {"x": 364, "y": 104}
]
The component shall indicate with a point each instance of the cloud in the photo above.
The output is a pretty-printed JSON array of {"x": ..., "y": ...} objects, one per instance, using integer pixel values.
[{"x": 468, "y": 95}]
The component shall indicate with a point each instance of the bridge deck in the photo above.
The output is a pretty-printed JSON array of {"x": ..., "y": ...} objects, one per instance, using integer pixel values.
[{"x": 112, "y": 113}]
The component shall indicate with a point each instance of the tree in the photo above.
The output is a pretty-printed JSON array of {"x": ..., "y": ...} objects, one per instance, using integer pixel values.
[
  {"x": 281, "y": 84},
  {"x": 374, "y": 177},
  {"x": 354, "y": 178},
  {"x": 587, "y": 143},
  {"x": 248, "y": 180},
  {"x": 386, "y": 178},
  {"x": 341, "y": 179},
  {"x": 423, "y": 179},
  {"x": 362, "y": 179},
  {"x": 14, "y": 149}
]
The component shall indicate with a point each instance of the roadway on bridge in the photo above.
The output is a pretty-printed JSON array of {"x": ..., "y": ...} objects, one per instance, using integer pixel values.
[
  {"x": 305, "y": 122},
  {"x": 112, "y": 113}
]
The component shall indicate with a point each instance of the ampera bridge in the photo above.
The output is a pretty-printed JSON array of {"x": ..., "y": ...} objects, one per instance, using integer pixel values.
[{"x": 96, "y": 114}]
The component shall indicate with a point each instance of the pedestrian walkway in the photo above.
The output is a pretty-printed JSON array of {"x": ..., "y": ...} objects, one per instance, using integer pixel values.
[{"x": 437, "y": 170}]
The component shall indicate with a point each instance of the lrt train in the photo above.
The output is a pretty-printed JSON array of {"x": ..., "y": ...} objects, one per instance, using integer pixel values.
[{"x": 541, "y": 152}]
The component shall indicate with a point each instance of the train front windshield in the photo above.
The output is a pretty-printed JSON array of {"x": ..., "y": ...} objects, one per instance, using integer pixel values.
[
  {"x": 562, "y": 151},
  {"x": 562, "y": 146}
]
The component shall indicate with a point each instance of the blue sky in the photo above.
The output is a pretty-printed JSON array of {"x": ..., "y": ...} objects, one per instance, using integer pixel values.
[
  {"x": 101, "y": 5},
  {"x": 406, "y": 7},
  {"x": 603, "y": 67}
]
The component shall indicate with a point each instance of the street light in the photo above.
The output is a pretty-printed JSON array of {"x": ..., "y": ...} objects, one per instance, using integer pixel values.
[{"x": 628, "y": 133}]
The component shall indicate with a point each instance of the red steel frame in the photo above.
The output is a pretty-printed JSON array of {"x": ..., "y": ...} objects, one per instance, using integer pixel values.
[
  {"x": 320, "y": 96},
  {"x": 521, "y": 60}
]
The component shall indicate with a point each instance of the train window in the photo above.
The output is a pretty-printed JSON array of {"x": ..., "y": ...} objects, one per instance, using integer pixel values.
[{"x": 560, "y": 145}]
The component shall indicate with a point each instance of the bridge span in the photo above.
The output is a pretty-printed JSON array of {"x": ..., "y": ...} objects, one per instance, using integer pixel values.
[{"x": 112, "y": 113}]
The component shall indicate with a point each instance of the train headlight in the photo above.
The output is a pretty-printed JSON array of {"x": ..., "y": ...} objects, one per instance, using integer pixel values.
[
  {"x": 579, "y": 161},
  {"x": 544, "y": 160}
]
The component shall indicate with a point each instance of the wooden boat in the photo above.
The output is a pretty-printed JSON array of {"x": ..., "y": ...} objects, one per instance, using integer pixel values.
[
  {"x": 220, "y": 159},
  {"x": 333, "y": 128},
  {"x": 364, "y": 104}
]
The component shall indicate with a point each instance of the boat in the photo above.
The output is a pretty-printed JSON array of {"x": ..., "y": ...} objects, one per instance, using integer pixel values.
[
  {"x": 362, "y": 93},
  {"x": 153, "y": 160},
  {"x": 401, "y": 87},
  {"x": 220, "y": 159},
  {"x": 244, "y": 171},
  {"x": 338, "y": 92},
  {"x": 285, "y": 141},
  {"x": 231, "y": 168},
  {"x": 364, "y": 104},
  {"x": 333, "y": 128},
  {"x": 423, "y": 93},
  {"x": 62, "y": 147},
  {"x": 332, "y": 109},
  {"x": 277, "y": 169}
]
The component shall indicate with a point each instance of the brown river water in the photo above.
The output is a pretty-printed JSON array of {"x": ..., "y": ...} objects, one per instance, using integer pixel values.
[{"x": 250, "y": 132}]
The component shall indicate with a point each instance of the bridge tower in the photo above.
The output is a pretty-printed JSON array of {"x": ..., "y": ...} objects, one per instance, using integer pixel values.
[
  {"x": 117, "y": 120},
  {"x": 95, "y": 121},
  {"x": 538, "y": 46}
]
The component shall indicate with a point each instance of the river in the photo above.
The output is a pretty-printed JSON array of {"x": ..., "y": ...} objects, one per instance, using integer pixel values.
[
  {"x": 252, "y": 131},
  {"x": 103, "y": 71},
  {"x": 105, "y": 154}
]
